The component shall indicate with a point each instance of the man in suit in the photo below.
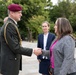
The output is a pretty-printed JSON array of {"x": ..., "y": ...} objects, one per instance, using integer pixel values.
[
  {"x": 11, "y": 49},
  {"x": 44, "y": 41}
]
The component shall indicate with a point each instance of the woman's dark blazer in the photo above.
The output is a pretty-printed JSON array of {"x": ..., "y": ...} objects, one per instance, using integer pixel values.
[{"x": 40, "y": 44}]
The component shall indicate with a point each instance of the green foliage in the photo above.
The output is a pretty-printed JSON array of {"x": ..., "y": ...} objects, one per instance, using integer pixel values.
[
  {"x": 52, "y": 27},
  {"x": 33, "y": 10},
  {"x": 64, "y": 8},
  {"x": 74, "y": 34},
  {"x": 36, "y": 11},
  {"x": 60, "y": 10},
  {"x": 72, "y": 19},
  {"x": 35, "y": 24},
  {"x": 2, "y": 12},
  {"x": 54, "y": 13}
]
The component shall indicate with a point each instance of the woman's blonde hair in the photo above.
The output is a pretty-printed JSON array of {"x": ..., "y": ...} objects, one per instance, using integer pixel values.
[{"x": 46, "y": 23}]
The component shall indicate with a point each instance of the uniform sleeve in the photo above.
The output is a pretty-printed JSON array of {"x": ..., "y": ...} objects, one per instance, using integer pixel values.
[{"x": 13, "y": 42}]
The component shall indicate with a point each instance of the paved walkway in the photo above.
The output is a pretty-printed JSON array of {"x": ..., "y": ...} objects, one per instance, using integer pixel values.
[{"x": 29, "y": 64}]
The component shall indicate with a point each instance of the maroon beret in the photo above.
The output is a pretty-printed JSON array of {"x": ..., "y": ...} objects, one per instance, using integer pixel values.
[{"x": 14, "y": 7}]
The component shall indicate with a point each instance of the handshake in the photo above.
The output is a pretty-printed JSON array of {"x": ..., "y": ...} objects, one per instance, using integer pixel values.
[{"x": 37, "y": 51}]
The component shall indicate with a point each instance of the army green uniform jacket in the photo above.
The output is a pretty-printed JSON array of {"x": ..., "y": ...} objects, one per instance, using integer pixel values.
[{"x": 11, "y": 49}]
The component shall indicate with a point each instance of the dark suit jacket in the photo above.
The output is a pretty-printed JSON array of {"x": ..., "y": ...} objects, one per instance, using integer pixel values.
[
  {"x": 10, "y": 53},
  {"x": 40, "y": 44}
]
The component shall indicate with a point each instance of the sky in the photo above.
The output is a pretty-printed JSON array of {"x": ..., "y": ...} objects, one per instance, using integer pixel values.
[{"x": 54, "y": 1}]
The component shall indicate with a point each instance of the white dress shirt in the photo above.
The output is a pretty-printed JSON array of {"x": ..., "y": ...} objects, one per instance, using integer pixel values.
[{"x": 45, "y": 42}]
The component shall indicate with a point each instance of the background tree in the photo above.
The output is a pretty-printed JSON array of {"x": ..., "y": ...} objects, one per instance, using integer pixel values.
[
  {"x": 36, "y": 11},
  {"x": 33, "y": 9},
  {"x": 62, "y": 9},
  {"x": 2, "y": 12}
]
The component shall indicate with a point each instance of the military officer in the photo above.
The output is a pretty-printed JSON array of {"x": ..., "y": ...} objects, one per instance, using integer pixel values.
[{"x": 11, "y": 49}]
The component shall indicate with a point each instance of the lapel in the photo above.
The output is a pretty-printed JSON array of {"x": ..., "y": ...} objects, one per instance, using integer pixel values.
[
  {"x": 54, "y": 40},
  {"x": 13, "y": 22}
]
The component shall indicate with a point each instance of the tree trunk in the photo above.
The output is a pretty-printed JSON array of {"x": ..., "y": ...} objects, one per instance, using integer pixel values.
[{"x": 29, "y": 35}]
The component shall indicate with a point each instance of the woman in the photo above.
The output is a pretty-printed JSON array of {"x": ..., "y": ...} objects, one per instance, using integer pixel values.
[
  {"x": 62, "y": 50},
  {"x": 44, "y": 41}
]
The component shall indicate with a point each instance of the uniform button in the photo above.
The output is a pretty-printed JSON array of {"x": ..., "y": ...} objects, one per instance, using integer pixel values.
[{"x": 15, "y": 58}]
